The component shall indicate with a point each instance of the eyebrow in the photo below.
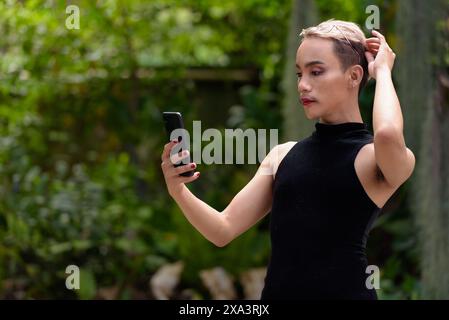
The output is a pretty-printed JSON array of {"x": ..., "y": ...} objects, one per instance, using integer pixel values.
[{"x": 311, "y": 63}]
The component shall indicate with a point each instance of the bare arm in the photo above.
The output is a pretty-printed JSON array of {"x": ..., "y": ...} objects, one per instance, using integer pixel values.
[
  {"x": 250, "y": 205},
  {"x": 394, "y": 159},
  {"x": 253, "y": 202}
]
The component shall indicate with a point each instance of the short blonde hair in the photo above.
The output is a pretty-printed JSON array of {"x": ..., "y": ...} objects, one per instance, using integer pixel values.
[{"x": 349, "y": 43}]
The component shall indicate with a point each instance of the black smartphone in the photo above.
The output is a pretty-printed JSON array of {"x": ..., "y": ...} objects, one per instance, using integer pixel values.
[{"x": 173, "y": 122}]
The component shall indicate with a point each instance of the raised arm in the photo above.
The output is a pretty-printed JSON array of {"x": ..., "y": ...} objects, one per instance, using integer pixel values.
[
  {"x": 250, "y": 205},
  {"x": 394, "y": 159}
]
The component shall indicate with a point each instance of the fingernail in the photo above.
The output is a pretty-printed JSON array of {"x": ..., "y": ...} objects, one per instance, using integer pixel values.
[{"x": 192, "y": 165}]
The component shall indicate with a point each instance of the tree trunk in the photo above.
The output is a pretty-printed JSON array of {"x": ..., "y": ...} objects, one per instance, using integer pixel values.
[{"x": 424, "y": 99}]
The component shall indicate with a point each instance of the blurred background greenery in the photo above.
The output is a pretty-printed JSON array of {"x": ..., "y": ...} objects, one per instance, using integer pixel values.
[{"x": 81, "y": 136}]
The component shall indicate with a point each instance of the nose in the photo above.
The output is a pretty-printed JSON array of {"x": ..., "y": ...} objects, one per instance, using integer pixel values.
[{"x": 303, "y": 86}]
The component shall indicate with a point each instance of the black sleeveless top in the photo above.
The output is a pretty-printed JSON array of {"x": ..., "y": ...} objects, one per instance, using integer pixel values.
[{"x": 320, "y": 218}]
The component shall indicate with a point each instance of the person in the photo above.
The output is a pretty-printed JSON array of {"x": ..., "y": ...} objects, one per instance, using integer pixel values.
[{"x": 325, "y": 191}]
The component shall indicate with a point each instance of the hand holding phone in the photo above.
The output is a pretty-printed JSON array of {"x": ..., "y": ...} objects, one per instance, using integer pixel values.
[{"x": 174, "y": 127}]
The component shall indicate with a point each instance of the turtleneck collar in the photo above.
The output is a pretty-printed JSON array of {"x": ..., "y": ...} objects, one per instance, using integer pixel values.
[{"x": 327, "y": 130}]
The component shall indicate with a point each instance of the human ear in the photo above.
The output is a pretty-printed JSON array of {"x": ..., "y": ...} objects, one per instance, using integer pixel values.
[{"x": 356, "y": 75}]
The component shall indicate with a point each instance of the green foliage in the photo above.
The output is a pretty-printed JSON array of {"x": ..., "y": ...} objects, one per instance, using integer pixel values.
[{"x": 81, "y": 137}]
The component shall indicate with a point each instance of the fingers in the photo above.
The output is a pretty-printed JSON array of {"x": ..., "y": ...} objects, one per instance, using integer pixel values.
[
  {"x": 175, "y": 158},
  {"x": 381, "y": 39},
  {"x": 372, "y": 40},
  {"x": 372, "y": 45},
  {"x": 373, "y": 48},
  {"x": 166, "y": 154},
  {"x": 167, "y": 149},
  {"x": 169, "y": 168},
  {"x": 379, "y": 36},
  {"x": 170, "y": 161},
  {"x": 375, "y": 44},
  {"x": 195, "y": 176},
  {"x": 369, "y": 56},
  {"x": 174, "y": 172},
  {"x": 182, "y": 169}
]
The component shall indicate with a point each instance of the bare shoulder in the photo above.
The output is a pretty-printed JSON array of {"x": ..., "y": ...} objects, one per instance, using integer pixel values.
[
  {"x": 371, "y": 177},
  {"x": 275, "y": 156}
]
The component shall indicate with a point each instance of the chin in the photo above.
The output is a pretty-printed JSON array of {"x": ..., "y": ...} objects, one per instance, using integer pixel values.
[
  {"x": 309, "y": 117},
  {"x": 312, "y": 115}
]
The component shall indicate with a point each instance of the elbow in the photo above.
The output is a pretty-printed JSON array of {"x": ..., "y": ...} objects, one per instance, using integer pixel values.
[
  {"x": 223, "y": 235},
  {"x": 221, "y": 244},
  {"x": 389, "y": 127},
  {"x": 389, "y": 135},
  {"x": 386, "y": 132}
]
